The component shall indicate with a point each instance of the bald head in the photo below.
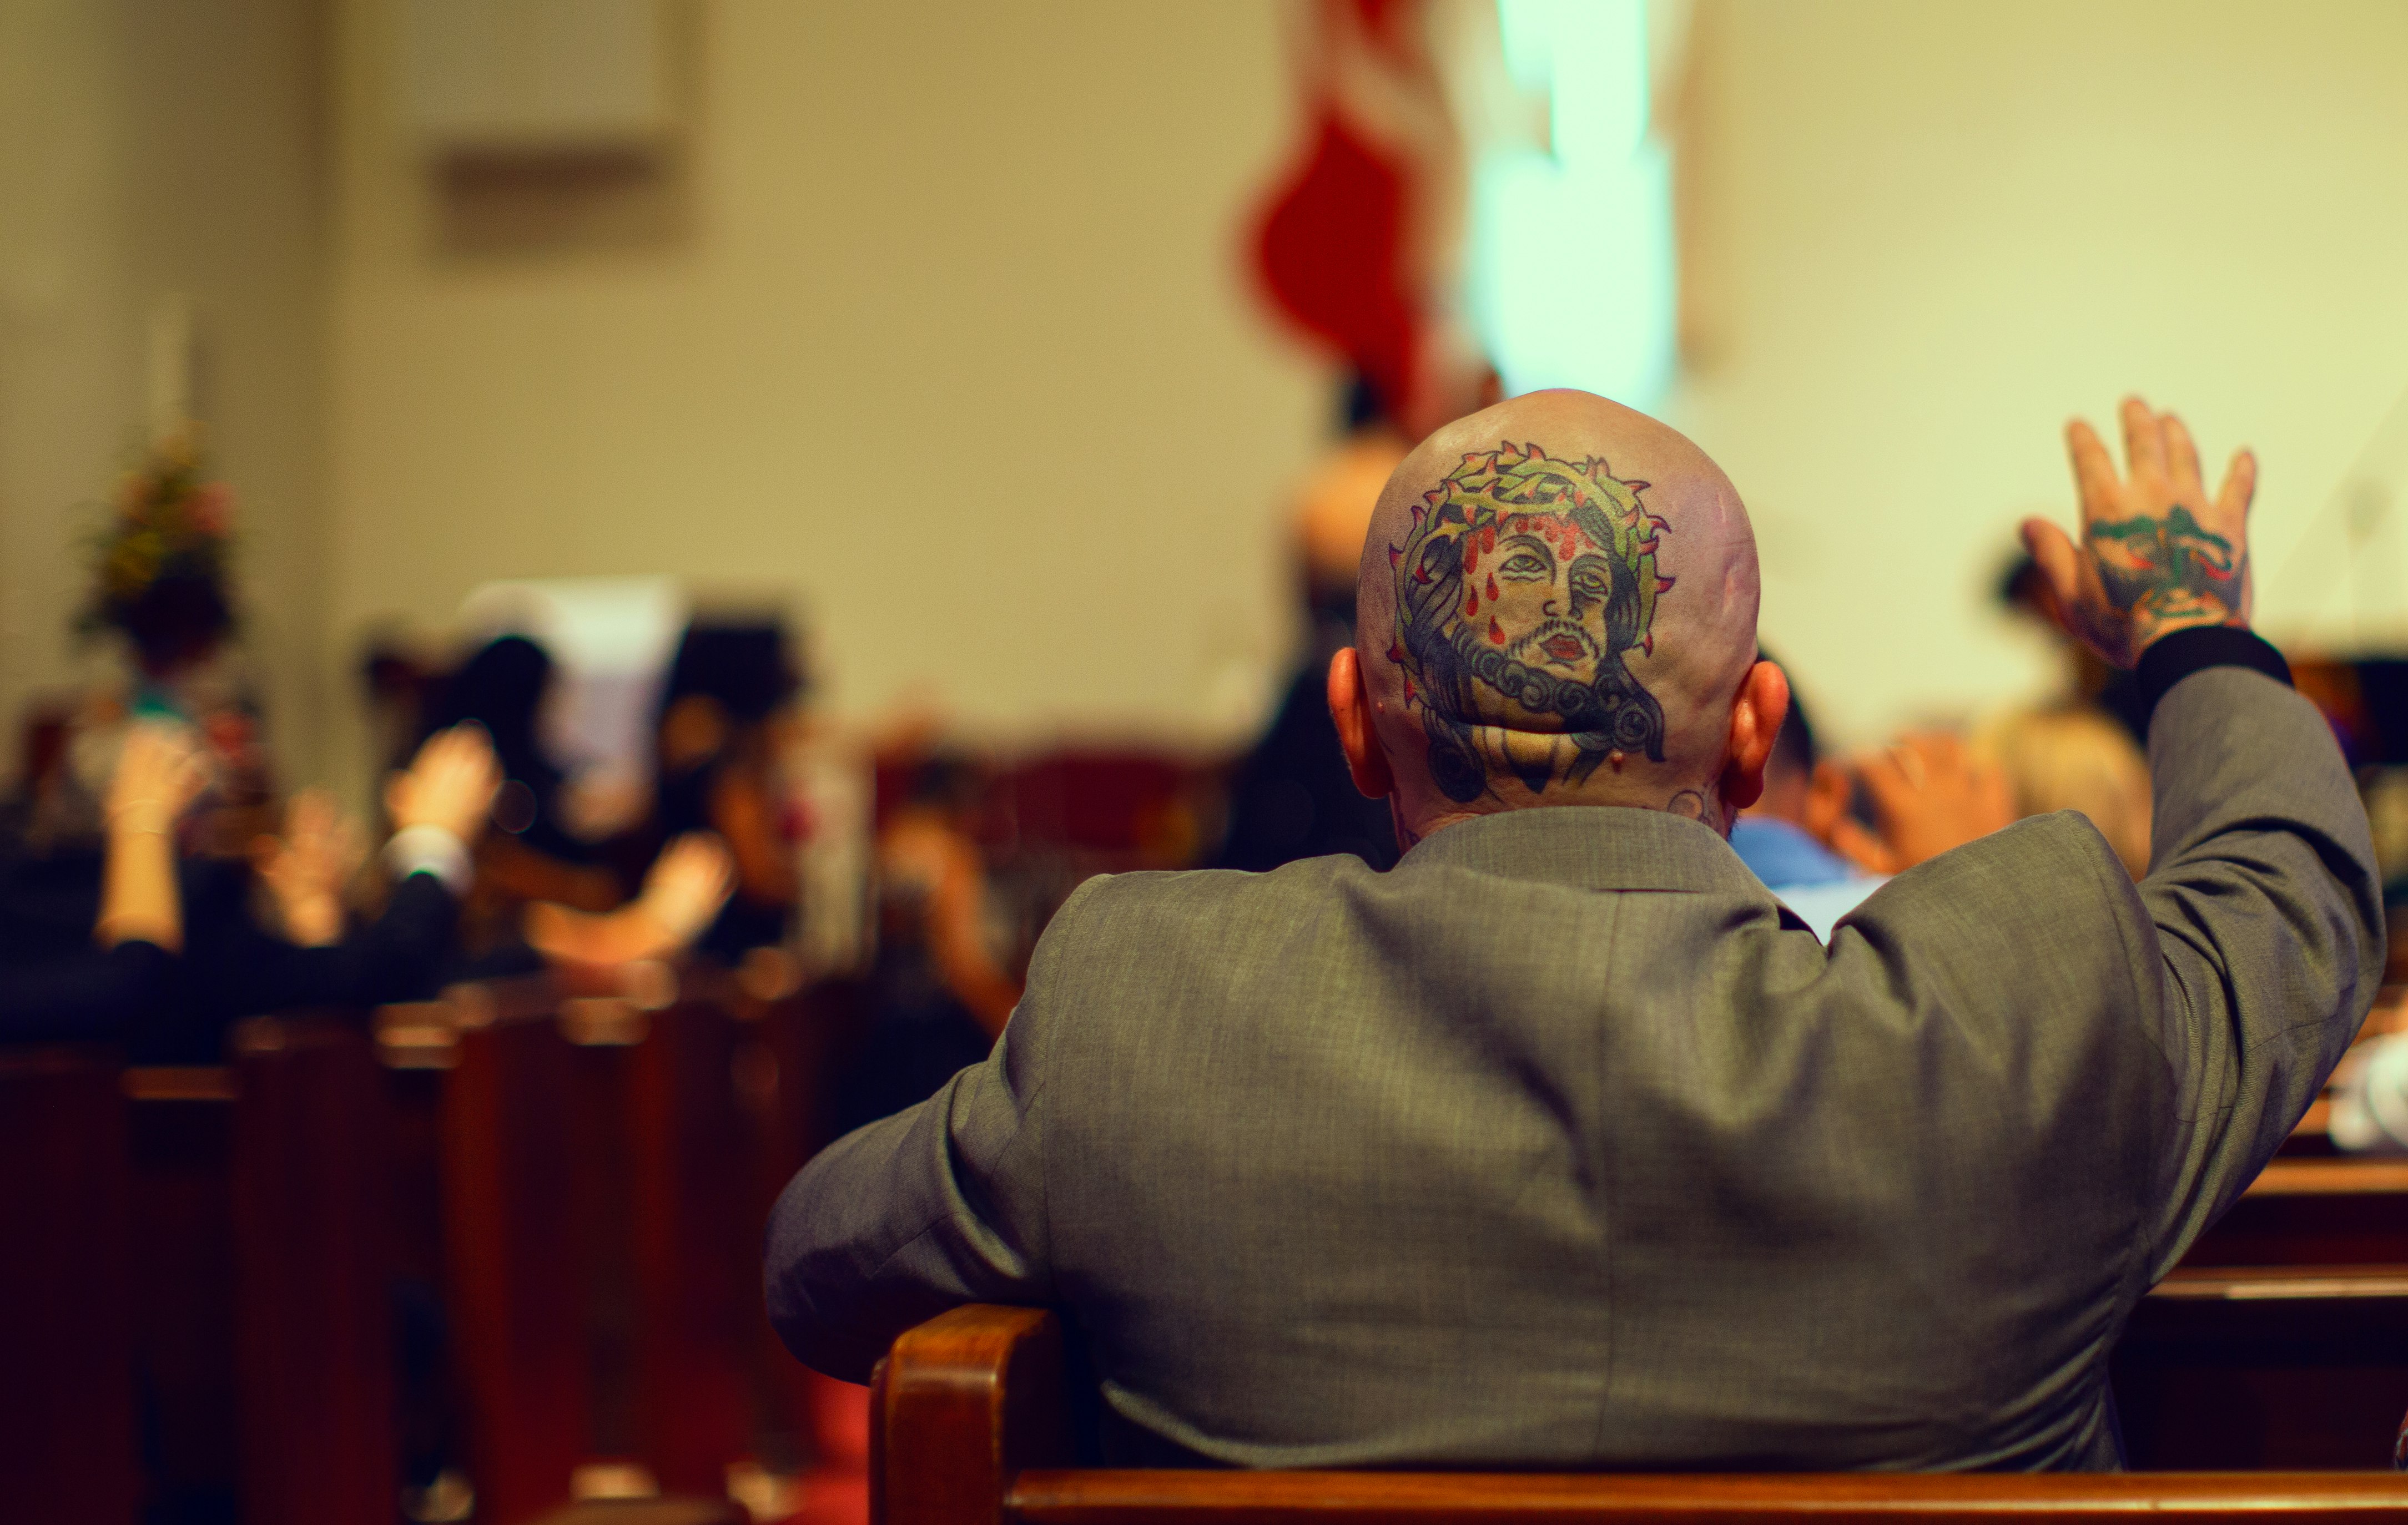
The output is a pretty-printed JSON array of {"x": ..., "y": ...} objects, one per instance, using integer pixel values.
[{"x": 1556, "y": 605}]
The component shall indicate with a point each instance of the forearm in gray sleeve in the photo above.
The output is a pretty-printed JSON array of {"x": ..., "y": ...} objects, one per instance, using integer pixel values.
[
  {"x": 2269, "y": 918},
  {"x": 893, "y": 1224}
]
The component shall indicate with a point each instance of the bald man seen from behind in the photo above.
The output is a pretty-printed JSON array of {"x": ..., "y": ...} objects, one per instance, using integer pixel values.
[{"x": 1563, "y": 1144}]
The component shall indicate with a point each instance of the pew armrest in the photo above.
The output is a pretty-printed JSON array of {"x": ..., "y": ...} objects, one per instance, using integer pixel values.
[{"x": 959, "y": 1407}]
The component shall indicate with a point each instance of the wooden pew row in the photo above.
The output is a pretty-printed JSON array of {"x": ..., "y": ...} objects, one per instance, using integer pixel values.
[
  {"x": 972, "y": 1427},
  {"x": 2282, "y": 1340},
  {"x": 66, "y": 1346},
  {"x": 2288, "y": 1367},
  {"x": 230, "y": 1229},
  {"x": 174, "y": 1108},
  {"x": 2305, "y": 1211},
  {"x": 603, "y": 1157},
  {"x": 262, "y": 1177}
]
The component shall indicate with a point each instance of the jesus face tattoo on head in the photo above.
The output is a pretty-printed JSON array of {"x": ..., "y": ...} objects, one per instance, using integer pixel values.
[{"x": 1522, "y": 584}]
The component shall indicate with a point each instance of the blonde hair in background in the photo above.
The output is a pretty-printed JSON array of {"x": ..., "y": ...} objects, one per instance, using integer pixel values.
[{"x": 2075, "y": 757}]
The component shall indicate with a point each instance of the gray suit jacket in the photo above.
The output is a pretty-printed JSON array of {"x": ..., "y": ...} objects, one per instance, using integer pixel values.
[{"x": 1561, "y": 1143}]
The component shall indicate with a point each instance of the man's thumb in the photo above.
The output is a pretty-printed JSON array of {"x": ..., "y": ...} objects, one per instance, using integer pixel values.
[{"x": 2060, "y": 563}]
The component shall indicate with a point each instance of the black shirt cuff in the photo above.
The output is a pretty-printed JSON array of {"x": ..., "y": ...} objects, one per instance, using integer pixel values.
[{"x": 2170, "y": 659}]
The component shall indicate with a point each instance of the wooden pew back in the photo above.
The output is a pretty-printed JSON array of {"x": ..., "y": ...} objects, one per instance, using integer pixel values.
[
  {"x": 313, "y": 1264},
  {"x": 517, "y": 1318},
  {"x": 972, "y": 1429},
  {"x": 66, "y": 1401}
]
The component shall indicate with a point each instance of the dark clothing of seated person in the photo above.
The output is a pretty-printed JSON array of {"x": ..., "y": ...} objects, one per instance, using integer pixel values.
[
  {"x": 175, "y": 953},
  {"x": 1560, "y": 1144},
  {"x": 716, "y": 741},
  {"x": 1291, "y": 798}
]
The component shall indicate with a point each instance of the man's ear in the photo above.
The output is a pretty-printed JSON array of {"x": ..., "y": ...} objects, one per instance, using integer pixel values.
[
  {"x": 1756, "y": 713},
  {"x": 1350, "y": 705}
]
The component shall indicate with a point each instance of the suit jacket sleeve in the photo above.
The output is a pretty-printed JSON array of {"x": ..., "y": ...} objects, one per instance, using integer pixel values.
[
  {"x": 86, "y": 996},
  {"x": 931, "y": 1208},
  {"x": 394, "y": 958},
  {"x": 2267, "y": 908}
]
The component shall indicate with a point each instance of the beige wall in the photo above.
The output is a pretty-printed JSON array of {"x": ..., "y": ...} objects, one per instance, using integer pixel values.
[
  {"x": 955, "y": 343},
  {"x": 1930, "y": 233},
  {"x": 156, "y": 149}
]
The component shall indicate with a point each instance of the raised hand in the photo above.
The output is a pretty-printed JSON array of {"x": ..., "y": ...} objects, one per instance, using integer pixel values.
[
  {"x": 1928, "y": 792},
  {"x": 687, "y": 885},
  {"x": 306, "y": 868},
  {"x": 159, "y": 773},
  {"x": 450, "y": 783},
  {"x": 682, "y": 893},
  {"x": 2157, "y": 553}
]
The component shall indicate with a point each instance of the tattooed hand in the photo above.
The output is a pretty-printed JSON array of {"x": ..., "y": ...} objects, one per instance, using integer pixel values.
[{"x": 2158, "y": 555}]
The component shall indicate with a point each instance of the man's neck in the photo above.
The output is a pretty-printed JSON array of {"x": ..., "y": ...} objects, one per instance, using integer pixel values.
[{"x": 1704, "y": 805}]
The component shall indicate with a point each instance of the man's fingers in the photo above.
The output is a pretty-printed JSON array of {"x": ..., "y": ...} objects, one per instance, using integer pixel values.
[
  {"x": 2181, "y": 462},
  {"x": 2239, "y": 485},
  {"x": 2094, "y": 469},
  {"x": 2144, "y": 445}
]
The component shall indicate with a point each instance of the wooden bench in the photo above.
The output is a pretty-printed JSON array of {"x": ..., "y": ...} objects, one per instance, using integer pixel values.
[
  {"x": 2265, "y": 1366},
  {"x": 2282, "y": 1340},
  {"x": 971, "y": 1428},
  {"x": 590, "y": 1140},
  {"x": 246, "y": 1197},
  {"x": 66, "y": 1344},
  {"x": 2306, "y": 1211}
]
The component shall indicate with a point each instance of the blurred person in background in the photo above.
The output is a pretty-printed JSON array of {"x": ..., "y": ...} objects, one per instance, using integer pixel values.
[
  {"x": 540, "y": 892},
  {"x": 2079, "y": 758},
  {"x": 278, "y": 935},
  {"x": 502, "y": 688},
  {"x": 127, "y": 974},
  {"x": 723, "y": 723},
  {"x": 2370, "y": 1097},
  {"x": 1920, "y": 796},
  {"x": 1774, "y": 838},
  {"x": 1290, "y": 797},
  {"x": 940, "y": 994},
  {"x": 175, "y": 967}
]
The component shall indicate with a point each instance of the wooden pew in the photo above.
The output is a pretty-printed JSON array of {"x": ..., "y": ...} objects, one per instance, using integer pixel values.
[
  {"x": 180, "y": 1123},
  {"x": 67, "y": 1341},
  {"x": 2266, "y": 1366},
  {"x": 263, "y": 1304},
  {"x": 544, "y": 1096},
  {"x": 214, "y": 1228},
  {"x": 795, "y": 1035},
  {"x": 2282, "y": 1340},
  {"x": 972, "y": 1429},
  {"x": 512, "y": 1284},
  {"x": 314, "y": 1272},
  {"x": 2307, "y": 1211}
]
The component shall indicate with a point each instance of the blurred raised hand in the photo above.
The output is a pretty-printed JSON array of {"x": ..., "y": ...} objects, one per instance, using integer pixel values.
[
  {"x": 1928, "y": 794},
  {"x": 681, "y": 896},
  {"x": 307, "y": 866},
  {"x": 451, "y": 784},
  {"x": 2157, "y": 552},
  {"x": 687, "y": 886},
  {"x": 160, "y": 772}
]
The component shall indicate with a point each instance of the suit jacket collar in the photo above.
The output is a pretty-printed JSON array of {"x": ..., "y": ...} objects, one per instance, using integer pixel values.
[{"x": 1594, "y": 848}]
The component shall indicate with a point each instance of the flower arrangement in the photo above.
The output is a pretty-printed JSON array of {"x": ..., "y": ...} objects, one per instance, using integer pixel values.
[{"x": 163, "y": 560}]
